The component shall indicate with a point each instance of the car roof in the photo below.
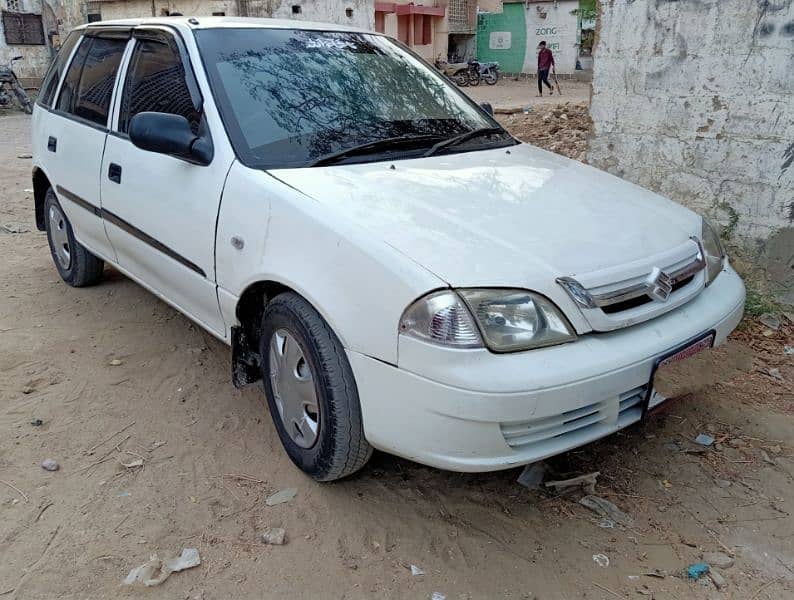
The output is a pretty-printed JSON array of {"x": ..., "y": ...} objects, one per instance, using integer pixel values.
[{"x": 195, "y": 22}]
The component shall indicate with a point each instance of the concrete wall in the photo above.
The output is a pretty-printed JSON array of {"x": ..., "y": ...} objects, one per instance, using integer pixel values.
[
  {"x": 695, "y": 99},
  {"x": 512, "y": 36},
  {"x": 35, "y": 59},
  {"x": 329, "y": 11}
]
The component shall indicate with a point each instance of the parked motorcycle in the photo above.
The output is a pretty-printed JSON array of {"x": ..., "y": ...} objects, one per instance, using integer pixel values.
[
  {"x": 457, "y": 72},
  {"x": 10, "y": 88},
  {"x": 490, "y": 72},
  {"x": 474, "y": 73}
]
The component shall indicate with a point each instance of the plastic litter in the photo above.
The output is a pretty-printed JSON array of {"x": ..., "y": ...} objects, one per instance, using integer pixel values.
[
  {"x": 115, "y": 362},
  {"x": 416, "y": 571},
  {"x": 37, "y": 422},
  {"x": 281, "y": 496},
  {"x": 532, "y": 476},
  {"x": 602, "y": 560},
  {"x": 138, "y": 462},
  {"x": 605, "y": 508},
  {"x": 704, "y": 439},
  {"x": 770, "y": 320},
  {"x": 438, "y": 596},
  {"x": 697, "y": 570},
  {"x": 155, "y": 571}
]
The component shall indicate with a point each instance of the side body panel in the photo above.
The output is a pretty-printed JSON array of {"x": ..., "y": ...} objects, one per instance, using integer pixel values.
[{"x": 360, "y": 285}]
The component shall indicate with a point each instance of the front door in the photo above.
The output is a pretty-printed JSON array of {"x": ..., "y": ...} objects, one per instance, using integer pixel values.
[{"x": 160, "y": 211}]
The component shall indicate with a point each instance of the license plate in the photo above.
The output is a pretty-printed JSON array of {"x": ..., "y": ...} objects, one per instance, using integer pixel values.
[{"x": 665, "y": 363}]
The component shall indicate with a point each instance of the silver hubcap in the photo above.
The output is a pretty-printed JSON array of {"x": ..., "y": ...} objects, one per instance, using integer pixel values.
[
  {"x": 60, "y": 241},
  {"x": 293, "y": 389}
]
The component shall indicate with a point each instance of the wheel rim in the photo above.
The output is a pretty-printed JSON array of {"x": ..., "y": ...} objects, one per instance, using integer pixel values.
[
  {"x": 59, "y": 237},
  {"x": 292, "y": 381}
]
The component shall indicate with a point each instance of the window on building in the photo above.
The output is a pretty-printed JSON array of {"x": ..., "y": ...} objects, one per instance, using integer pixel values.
[
  {"x": 53, "y": 76},
  {"x": 296, "y": 9},
  {"x": 23, "y": 29},
  {"x": 156, "y": 82},
  {"x": 93, "y": 17},
  {"x": 349, "y": 13},
  {"x": 219, "y": 14}
]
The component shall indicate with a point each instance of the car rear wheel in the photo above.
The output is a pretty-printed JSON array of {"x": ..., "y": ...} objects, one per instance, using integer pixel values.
[
  {"x": 76, "y": 265},
  {"x": 311, "y": 391}
]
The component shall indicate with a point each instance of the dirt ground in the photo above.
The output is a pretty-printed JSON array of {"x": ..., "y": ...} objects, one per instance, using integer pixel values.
[
  {"x": 510, "y": 93},
  {"x": 116, "y": 376}
]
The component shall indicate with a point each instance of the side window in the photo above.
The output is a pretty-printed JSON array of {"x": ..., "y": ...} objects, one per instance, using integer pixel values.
[
  {"x": 87, "y": 94},
  {"x": 156, "y": 83},
  {"x": 72, "y": 78},
  {"x": 53, "y": 76}
]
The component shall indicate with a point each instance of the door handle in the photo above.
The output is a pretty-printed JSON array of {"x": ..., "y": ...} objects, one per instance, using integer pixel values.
[
  {"x": 52, "y": 144},
  {"x": 114, "y": 172}
]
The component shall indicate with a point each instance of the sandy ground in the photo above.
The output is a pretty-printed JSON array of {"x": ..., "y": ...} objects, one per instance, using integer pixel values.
[
  {"x": 117, "y": 376},
  {"x": 510, "y": 93}
]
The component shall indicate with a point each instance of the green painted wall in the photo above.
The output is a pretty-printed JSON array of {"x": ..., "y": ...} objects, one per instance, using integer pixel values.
[{"x": 512, "y": 20}]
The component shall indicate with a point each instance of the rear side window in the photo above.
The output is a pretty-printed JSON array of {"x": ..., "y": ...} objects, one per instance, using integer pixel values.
[
  {"x": 53, "y": 76},
  {"x": 88, "y": 93},
  {"x": 156, "y": 82}
]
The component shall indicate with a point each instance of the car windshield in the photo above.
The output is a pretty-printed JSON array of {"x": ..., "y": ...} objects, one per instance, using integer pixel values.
[{"x": 293, "y": 98}]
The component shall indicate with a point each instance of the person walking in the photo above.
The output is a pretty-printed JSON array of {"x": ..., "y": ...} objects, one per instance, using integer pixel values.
[{"x": 545, "y": 62}]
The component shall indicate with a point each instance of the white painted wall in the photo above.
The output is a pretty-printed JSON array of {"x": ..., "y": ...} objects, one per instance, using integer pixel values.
[
  {"x": 696, "y": 100},
  {"x": 35, "y": 59},
  {"x": 554, "y": 23}
]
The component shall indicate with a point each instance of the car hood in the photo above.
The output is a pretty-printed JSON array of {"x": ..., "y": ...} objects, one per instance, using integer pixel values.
[{"x": 517, "y": 216}]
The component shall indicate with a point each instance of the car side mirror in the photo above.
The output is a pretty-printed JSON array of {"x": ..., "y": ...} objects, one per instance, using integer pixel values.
[
  {"x": 487, "y": 107},
  {"x": 170, "y": 134}
]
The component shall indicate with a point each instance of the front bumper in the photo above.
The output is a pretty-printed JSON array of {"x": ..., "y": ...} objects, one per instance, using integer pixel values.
[{"x": 477, "y": 411}]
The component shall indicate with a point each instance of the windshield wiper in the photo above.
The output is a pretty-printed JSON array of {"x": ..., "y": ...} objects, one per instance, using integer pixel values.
[
  {"x": 383, "y": 144},
  {"x": 463, "y": 137}
]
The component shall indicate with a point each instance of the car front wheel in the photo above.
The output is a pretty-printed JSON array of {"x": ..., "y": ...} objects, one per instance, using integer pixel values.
[{"x": 311, "y": 391}]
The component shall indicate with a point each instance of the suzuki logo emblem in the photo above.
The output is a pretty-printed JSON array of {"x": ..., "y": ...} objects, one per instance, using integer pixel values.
[{"x": 659, "y": 285}]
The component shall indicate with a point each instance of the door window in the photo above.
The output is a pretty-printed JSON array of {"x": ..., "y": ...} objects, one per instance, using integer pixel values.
[
  {"x": 88, "y": 94},
  {"x": 156, "y": 82},
  {"x": 53, "y": 76}
]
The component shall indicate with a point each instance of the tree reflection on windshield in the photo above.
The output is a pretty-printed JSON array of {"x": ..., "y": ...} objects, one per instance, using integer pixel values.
[{"x": 290, "y": 96}]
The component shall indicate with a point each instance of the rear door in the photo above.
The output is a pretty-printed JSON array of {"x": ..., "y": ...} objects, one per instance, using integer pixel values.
[
  {"x": 160, "y": 212},
  {"x": 75, "y": 132}
]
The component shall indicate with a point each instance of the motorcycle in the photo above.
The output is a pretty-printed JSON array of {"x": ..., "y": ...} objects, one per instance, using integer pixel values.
[
  {"x": 457, "y": 72},
  {"x": 474, "y": 73},
  {"x": 490, "y": 72},
  {"x": 10, "y": 88}
]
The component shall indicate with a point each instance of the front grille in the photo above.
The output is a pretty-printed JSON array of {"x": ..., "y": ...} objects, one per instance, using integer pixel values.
[
  {"x": 578, "y": 425},
  {"x": 625, "y": 295},
  {"x": 644, "y": 299}
]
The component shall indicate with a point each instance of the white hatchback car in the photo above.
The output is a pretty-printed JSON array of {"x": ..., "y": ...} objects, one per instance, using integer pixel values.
[{"x": 400, "y": 272}]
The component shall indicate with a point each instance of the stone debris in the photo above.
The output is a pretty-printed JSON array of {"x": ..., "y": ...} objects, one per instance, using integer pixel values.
[
  {"x": 281, "y": 496},
  {"x": 156, "y": 571},
  {"x": 563, "y": 129},
  {"x": 718, "y": 560},
  {"x": 49, "y": 464},
  {"x": 602, "y": 560},
  {"x": 532, "y": 476},
  {"x": 770, "y": 320},
  {"x": 718, "y": 580},
  {"x": 275, "y": 536},
  {"x": 605, "y": 508}
]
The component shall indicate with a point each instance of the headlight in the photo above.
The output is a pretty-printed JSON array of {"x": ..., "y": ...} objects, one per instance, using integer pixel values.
[
  {"x": 504, "y": 320},
  {"x": 715, "y": 254}
]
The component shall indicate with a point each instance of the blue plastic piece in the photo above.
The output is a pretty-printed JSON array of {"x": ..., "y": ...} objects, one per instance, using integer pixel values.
[{"x": 697, "y": 570}]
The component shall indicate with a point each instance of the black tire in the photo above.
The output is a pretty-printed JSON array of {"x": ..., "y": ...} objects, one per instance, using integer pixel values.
[
  {"x": 491, "y": 78},
  {"x": 340, "y": 448},
  {"x": 474, "y": 79},
  {"x": 461, "y": 79},
  {"x": 84, "y": 268}
]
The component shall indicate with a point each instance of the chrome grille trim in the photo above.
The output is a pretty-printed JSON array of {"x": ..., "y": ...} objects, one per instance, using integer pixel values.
[{"x": 648, "y": 289}]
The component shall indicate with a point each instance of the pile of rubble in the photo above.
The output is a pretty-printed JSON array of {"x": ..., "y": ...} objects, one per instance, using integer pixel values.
[{"x": 561, "y": 128}]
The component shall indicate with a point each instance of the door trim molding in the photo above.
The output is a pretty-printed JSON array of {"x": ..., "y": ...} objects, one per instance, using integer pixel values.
[{"x": 129, "y": 228}]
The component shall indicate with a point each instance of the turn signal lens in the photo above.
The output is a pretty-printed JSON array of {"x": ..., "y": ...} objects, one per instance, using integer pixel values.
[
  {"x": 715, "y": 253},
  {"x": 442, "y": 318}
]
